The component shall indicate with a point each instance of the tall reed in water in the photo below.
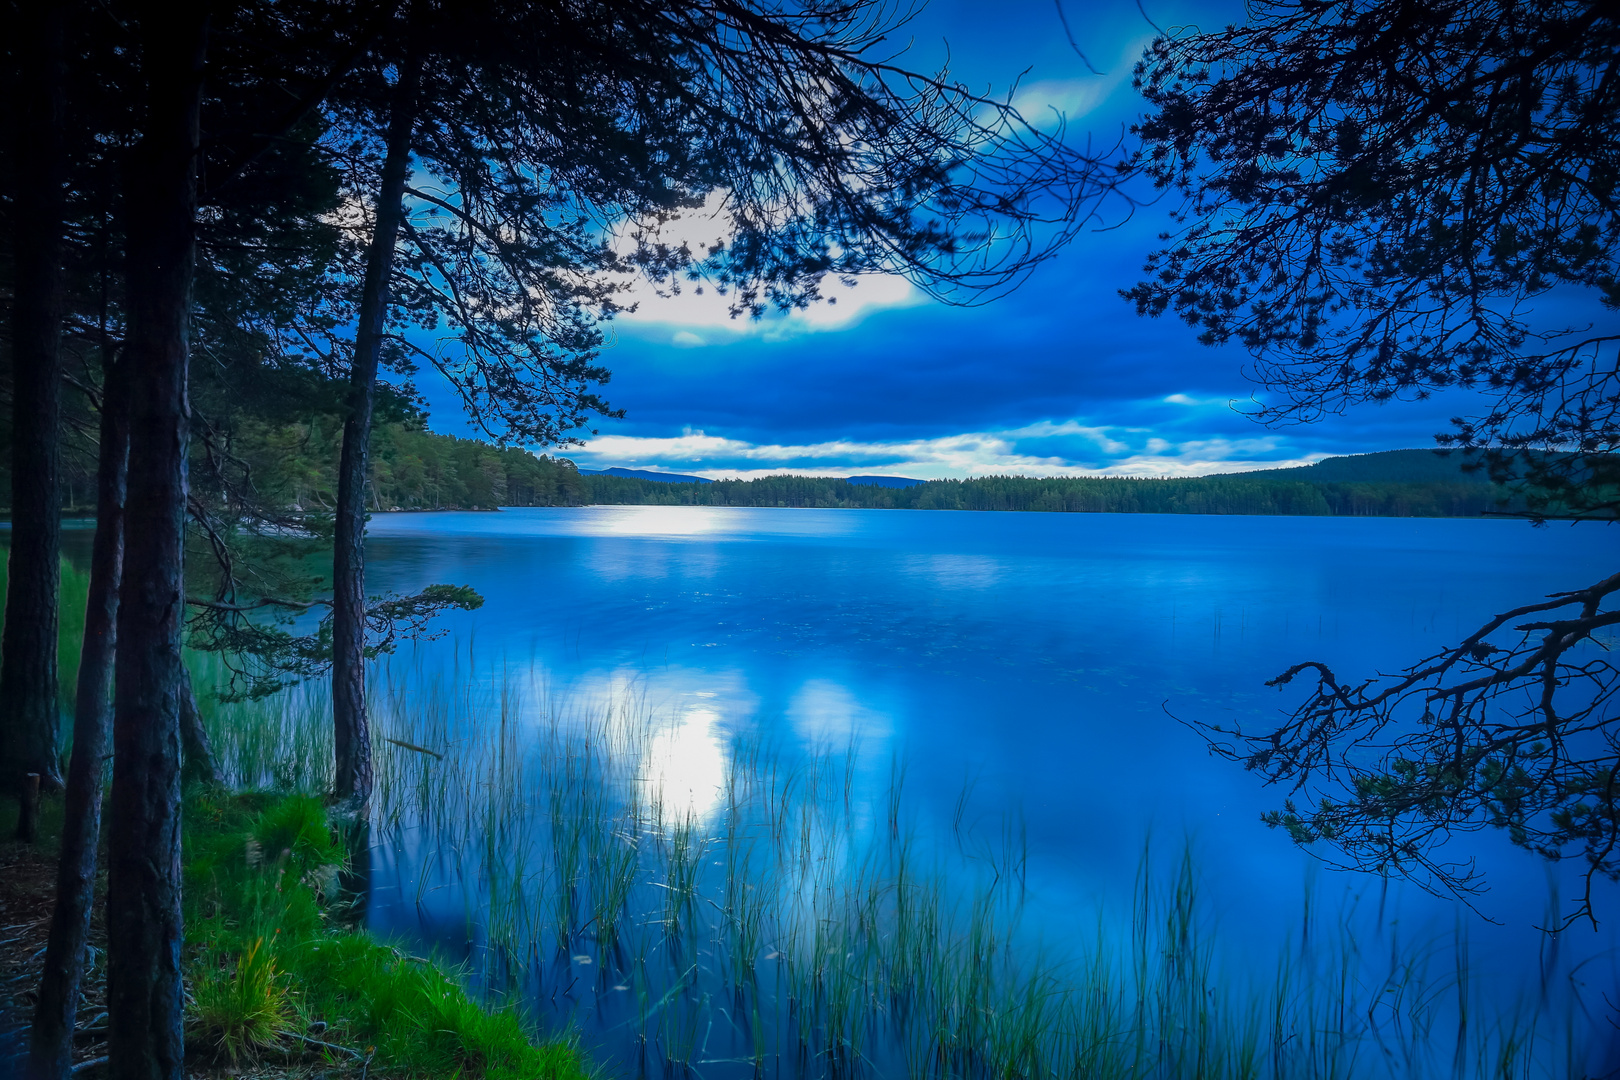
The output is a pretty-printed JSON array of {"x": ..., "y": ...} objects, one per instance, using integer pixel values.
[{"x": 795, "y": 919}]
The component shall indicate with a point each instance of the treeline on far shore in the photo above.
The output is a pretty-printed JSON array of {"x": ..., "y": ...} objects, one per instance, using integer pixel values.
[
  {"x": 410, "y": 468},
  {"x": 1230, "y": 494},
  {"x": 294, "y": 465}
]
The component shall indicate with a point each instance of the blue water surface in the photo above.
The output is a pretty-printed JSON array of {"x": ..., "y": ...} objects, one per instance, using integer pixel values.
[{"x": 1044, "y": 663}]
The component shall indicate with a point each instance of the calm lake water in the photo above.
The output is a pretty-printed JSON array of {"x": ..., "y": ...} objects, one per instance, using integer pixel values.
[{"x": 1025, "y": 673}]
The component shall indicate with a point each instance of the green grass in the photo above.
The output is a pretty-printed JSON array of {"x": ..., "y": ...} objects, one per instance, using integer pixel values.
[
  {"x": 74, "y": 594},
  {"x": 272, "y": 970},
  {"x": 242, "y": 1008},
  {"x": 806, "y": 918},
  {"x": 807, "y": 907}
]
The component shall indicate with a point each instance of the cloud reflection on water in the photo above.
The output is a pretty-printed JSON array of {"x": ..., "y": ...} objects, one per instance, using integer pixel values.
[{"x": 827, "y": 715}]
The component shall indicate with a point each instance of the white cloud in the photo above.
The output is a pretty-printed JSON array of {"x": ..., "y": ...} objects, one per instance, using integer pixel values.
[
  {"x": 1190, "y": 465},
  {"x": 952, "y": 455},
  {"x": 699, "y": 304},
  {"x": 1047, "y": 429},
  {"x": 1042, "y": 102},
  {"x": 1189, "y": 400},
  {"x": 980, "y": 453},
  {"x": 685, "y": 339}
]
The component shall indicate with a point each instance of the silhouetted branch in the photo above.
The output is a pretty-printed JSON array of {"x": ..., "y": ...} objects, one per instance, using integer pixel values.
[{"x": 1513, "y": 727}]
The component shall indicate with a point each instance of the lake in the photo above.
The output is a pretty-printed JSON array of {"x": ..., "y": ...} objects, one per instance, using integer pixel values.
[{"x": 1000, "y": 699}]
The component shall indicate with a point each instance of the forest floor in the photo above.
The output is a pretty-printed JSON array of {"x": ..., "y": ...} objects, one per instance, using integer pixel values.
[
  {"x": 27, "y": 893},
  {"x": 27, "y": 888},
  {"x": 278, "y": 986}
]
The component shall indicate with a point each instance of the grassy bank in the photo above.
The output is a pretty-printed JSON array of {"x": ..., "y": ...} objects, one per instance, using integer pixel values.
[
  {"x": 276, "y": 979},
  {"x": 784, "y": 912},
  {"x": 273, "y": 970}
]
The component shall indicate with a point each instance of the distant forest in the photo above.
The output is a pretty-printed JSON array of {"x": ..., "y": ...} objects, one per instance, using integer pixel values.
[
  {"x": 413, "y": 469},
  {"x": 1231, "y": 494},
  {"x": 295, "y": 465},
  {"x": 1396, "y": 483},
  {"x": 1393, "y": 483}
]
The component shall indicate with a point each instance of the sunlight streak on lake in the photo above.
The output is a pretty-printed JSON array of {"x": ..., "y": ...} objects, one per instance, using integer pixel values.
[{"x": 685, "y": 767}]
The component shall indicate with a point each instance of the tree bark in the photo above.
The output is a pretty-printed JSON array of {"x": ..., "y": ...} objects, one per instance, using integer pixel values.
[
  {"x": 28, "y": 809},
  {"x": 199, "y": 765},
  {"x": 51, "y": 1041},
  {"x": 28, "y": 706},
  {"x": 144, "y": 1039},
  {"x": 354, "y": 876},
  {"x": 351, "y": 729}
]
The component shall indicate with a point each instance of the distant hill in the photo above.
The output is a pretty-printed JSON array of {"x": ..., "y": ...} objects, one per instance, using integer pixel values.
[
  {"x": 647, "y": 474},
  {"x": 884, "y": 481},
  {"x": 1384, "y": 467},
  {"x": 1401, "y": 483}
]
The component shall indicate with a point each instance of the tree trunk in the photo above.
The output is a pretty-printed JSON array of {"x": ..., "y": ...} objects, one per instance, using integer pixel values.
[
  {"x": 200, "y": 766},
  {"x": 28, "y": 809},
  {"x": 29, "y": 715},
  {"x": 51, "y": 1042},
  {"x": 354, "y": 876},
  {"x": 143, "y": 903},
  {"x": 351, "y": 730}
]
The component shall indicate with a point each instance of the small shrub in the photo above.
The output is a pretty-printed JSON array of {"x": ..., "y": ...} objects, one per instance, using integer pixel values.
[
  {"x": 294, "y": 833},
  {"x": 261, "y": 941},
  {"x": 241, "y": 1008}
]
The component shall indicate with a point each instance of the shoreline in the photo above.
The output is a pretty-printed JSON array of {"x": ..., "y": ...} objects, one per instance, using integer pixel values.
[{"x": 326, "y": 997}]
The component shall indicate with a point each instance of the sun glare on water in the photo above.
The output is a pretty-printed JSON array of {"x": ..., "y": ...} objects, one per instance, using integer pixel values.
[{"x": 685, "y": 769}]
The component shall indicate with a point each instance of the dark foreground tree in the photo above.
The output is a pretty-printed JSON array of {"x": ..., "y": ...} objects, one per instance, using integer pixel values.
[
  {"x": 544, "y": 128},
  {"x": 144, "y": 1003},
  {"x": 28, "y": 691},
  {"x": 1386, "y": 198},
  {"x": 51, "y": 1038},
  {"x": 352, "y": 733},
  {"x": 131, "y": 241}
]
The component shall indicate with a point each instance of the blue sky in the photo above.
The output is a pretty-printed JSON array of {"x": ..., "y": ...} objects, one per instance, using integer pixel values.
[{"x": 1059, "y": 378}]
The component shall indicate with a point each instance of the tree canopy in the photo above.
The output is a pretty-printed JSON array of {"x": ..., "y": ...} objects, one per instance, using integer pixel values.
[
  {"x": 1384, "y": 199},
  {"x": 1389, "y": 197},
  {"x": 210, "y": 201}
]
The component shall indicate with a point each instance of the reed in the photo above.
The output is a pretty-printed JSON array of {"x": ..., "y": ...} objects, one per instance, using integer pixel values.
[
  {"x": 802, "y": 922},
  {"x": 274, "y": 976}
]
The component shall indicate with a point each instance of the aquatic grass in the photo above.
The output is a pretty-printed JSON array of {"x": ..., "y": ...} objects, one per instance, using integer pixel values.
[
  {"x": 615, "y": 865},
  {"x": 272, "y": 972},
  {"x": 804, "y": 922},
  {"x": 73, "y": 596},
  {"x": 280, "y": 743}
]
